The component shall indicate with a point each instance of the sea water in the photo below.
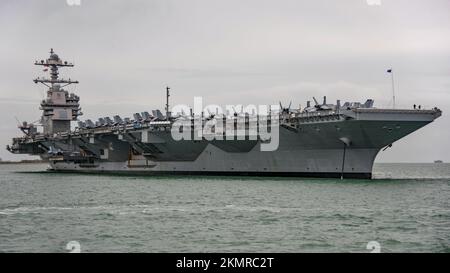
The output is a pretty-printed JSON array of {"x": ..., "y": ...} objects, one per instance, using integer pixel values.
[{"x": 405, "y": 208}]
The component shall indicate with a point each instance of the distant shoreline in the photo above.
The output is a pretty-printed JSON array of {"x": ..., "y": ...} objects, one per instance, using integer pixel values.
[{"x": 37, "y": 161}]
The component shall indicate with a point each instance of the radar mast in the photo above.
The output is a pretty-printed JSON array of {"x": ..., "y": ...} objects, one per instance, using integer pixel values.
[{"x": 60, "y": 107}]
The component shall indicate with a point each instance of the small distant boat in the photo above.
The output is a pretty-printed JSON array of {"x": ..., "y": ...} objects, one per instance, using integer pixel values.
[{"x": 438, "y": 161}]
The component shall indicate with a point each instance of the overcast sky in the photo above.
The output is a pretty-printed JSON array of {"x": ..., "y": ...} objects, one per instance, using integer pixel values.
[{"x": 232, "y": 52}]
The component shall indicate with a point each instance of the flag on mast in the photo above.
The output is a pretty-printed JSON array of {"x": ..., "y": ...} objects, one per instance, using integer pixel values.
[{"x": 393, "y": 87}]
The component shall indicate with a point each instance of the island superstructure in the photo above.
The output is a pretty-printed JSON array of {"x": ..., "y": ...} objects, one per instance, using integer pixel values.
[{"x": 321, "y": 140}]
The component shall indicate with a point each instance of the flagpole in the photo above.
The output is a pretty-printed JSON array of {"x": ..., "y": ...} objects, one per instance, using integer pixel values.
[
  {"x": 391, "y": 71},
  {"x": 393, "y": 89}
]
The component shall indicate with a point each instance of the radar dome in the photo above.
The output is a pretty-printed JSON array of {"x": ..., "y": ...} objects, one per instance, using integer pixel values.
[{"x": 54, "y": 57}]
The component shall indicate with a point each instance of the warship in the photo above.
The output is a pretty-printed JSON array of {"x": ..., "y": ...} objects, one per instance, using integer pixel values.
[{"x": 320, "y": 140}]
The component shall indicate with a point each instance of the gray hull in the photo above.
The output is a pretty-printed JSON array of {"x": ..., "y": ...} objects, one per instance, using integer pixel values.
[
  {"x": 308, "y": 163},
  {"x": 313, "y": 151}
]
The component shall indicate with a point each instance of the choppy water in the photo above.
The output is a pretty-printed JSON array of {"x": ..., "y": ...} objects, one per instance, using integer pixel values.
[{"x": 406, "y": 210}]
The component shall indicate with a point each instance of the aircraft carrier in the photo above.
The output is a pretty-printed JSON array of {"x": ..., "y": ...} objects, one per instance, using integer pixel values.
[{"x": 321, "y": 140}]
